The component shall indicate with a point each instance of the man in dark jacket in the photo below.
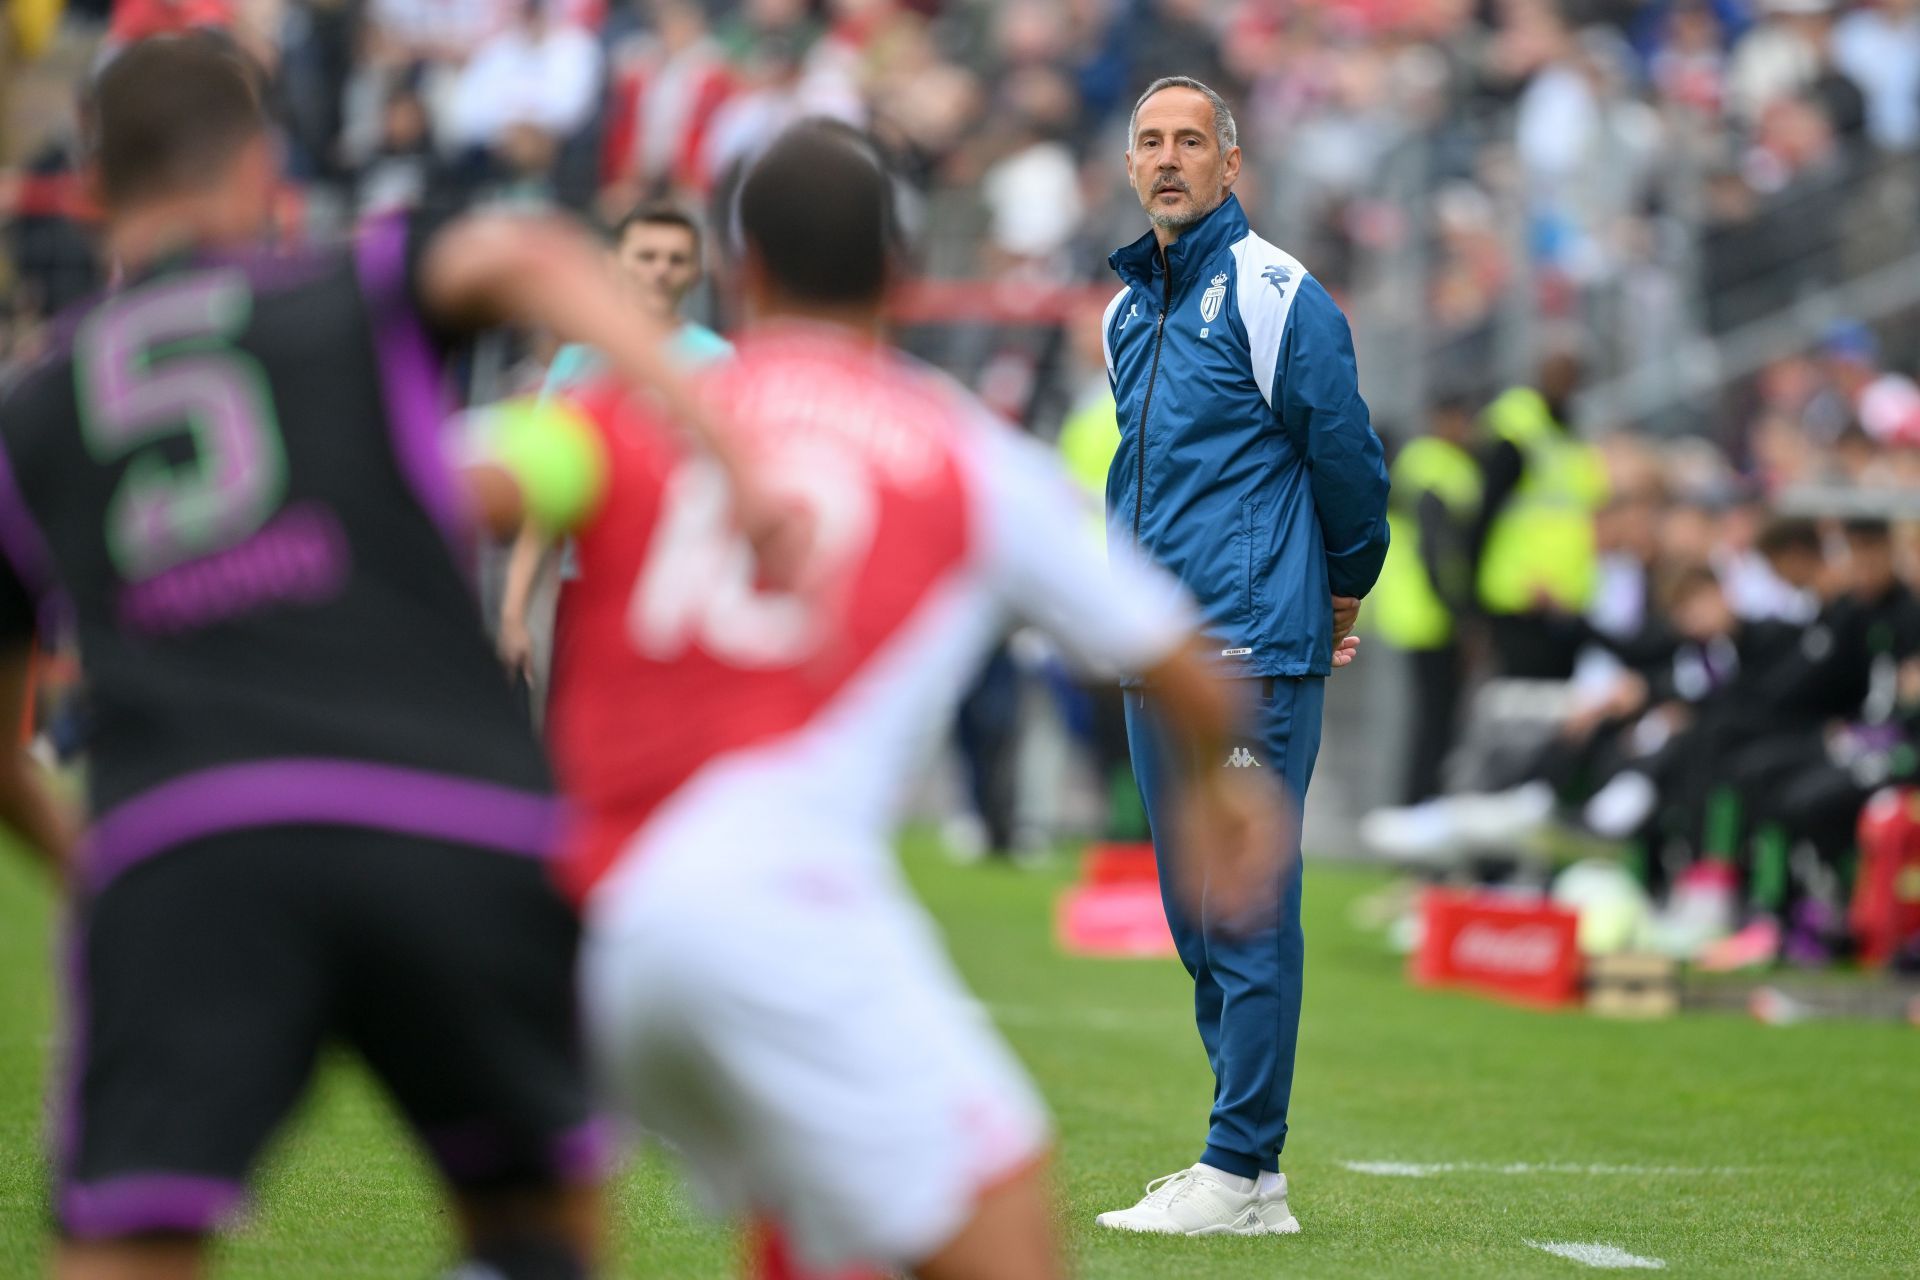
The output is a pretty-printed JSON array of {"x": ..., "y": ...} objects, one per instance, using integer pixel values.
[{"x": 1247, "y": 466}]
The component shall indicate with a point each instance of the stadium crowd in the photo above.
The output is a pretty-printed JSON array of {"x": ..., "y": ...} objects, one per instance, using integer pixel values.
[
  {"x": 1605, "y": 178},
  {"x": 1702, "y": 161}
]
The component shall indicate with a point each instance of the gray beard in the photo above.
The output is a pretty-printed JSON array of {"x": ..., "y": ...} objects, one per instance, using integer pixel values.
[{"x": 1181, "y": 221}]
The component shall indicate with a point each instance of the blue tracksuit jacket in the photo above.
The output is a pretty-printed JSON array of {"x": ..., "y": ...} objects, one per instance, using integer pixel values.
[{"x": 1247, "y": 464}]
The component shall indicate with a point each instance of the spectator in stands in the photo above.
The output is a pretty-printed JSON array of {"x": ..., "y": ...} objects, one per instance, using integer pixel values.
[
  {"x": 1786, "y": 54},
  {"x": 1878, "y": 47},
  {"x": 527, "y": 91},
  {"x": 1584, "y": 145},
  {"x": 442, "y": 33},
  {"x": 1032, "y": 192},
  {"x": 924, "y": 106},
  {"x": 668, "y": 89},
  {"x": 745, "y": 32},
  {"x": 1884, "y": 404},
  {"x": 768, "y": 98},
  {"x": 397, "y": 173},
  {"x": 1689, "y": 69}
]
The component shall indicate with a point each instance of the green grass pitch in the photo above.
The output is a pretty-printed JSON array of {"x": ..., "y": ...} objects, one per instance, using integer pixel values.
[{"x": 1714, "y": 1144}]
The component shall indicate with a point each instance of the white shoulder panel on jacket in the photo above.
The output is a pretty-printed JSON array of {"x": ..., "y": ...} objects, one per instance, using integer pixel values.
[{"x": 1266, "y": 282}]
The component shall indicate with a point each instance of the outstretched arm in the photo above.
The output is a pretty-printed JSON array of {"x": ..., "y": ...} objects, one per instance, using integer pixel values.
[
  {"x": 1232, "y": 823},
  {"x": 27, "y": 807},
  {"x": 1115, "y": 610}
]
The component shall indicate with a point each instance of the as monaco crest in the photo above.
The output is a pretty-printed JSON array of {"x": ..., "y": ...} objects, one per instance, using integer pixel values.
[{"x": 1210, "y": 300}]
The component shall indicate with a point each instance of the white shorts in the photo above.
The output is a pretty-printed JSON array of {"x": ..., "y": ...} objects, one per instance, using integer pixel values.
[{"x": 789, "y": 1022}]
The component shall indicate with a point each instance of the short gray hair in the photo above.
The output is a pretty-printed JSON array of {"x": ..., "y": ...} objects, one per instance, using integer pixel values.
[{"x": 1225, "y": 132}]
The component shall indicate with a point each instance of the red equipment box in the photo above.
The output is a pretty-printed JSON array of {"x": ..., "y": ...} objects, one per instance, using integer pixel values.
[
  {"x": 1522, "y": 950},
  {"x": 1885, "y": 916}
]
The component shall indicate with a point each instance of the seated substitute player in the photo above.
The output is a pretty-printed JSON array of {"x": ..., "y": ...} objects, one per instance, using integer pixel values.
[
  {"x": 760, "y": 989},
  {"x": 316, "y": 812}
]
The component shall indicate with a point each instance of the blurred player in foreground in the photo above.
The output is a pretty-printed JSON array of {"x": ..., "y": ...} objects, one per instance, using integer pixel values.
[
  {"x": 656, "y": 254},
  {"x": 760, "y": 989},
  {"x": 315, "y": 811}
]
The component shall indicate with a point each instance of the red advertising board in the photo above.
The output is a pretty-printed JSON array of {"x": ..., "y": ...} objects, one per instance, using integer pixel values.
[{"x": 1522, "y": 950}]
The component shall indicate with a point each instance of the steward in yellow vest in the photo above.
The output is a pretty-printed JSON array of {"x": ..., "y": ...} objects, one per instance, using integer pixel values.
[
  {"x": 1540, "y": 547},
  {"x": 1431, "y": 511},
  {"x": 1538, "y": 560},
  {"x": 1427, "y": 585}
]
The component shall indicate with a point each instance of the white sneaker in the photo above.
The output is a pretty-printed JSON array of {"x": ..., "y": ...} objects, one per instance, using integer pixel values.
[{"x": 1195, "y": 1202}]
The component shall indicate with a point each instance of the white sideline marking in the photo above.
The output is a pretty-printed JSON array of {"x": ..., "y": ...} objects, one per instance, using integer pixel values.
[
  {"x": 1398, "y": 1169},
  {"x": 1599, "y": 1255}
]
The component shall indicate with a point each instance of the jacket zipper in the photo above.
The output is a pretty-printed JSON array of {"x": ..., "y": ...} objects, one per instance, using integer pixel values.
[{"x": 1146, "y": 403}]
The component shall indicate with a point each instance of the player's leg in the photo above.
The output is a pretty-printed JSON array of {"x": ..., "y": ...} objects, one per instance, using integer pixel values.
[
  {"x": 155, "y": 1258},
  {"x": 1009, "y": 1236},
  {"x": 546, "y": 1233},
  {"x": 459, "y": 992},
  {"x": 196, "y": 999}
]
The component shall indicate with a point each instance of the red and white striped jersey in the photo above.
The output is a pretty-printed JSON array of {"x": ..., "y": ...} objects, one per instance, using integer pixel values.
[{"x": 934, "y": 524}]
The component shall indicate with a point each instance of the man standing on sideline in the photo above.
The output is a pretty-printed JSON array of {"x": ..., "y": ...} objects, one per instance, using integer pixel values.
[
  {"x": 657, "y": 256},
  {"x": 1248, "y": 467},
  {"x": 1543, "y": 487},
  {"x": 1426, "y": 585}
]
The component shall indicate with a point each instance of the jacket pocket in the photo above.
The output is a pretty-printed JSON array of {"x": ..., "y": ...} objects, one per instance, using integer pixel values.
[{"x": 1250, "y": 559}]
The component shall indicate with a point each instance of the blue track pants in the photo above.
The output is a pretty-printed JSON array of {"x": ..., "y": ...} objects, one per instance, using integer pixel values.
[{"x": 1246, "y": 989}]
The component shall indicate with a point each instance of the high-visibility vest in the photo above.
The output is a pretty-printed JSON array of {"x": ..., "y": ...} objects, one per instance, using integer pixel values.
[
  {"x": 1408, "y": 609},
  {"x": 1541, "y": 545},
  {"x": 1089, "y": 437}
]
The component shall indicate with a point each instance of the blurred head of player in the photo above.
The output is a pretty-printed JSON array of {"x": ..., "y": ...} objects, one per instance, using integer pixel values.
[
  {"x": 1183, "y": 154},
  {"x": 182, "y": 150},
  {"x": 657, "y": 250},
  {"x": 816, "y": 226}
]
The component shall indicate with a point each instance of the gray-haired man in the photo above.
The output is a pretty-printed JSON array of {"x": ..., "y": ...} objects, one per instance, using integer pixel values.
[{"x": 1248, "y": 467}]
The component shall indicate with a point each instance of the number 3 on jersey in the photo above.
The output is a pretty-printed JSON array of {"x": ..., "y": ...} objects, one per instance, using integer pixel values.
[
  {"x": 697, "y": 588},
  {"x": 154, "y": 363}
]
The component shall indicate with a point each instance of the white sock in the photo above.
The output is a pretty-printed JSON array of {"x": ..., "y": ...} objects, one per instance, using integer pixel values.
[
  {"x": 1243, "y": 1185},
  {"x": 1269, "y": 1182}
]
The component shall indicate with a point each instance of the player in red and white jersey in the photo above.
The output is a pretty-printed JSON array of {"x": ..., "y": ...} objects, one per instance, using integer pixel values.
[{"x": 761, "y": 990}]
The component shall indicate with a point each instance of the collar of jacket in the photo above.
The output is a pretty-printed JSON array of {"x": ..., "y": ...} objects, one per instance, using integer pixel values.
[{"x": 1139, "y": 263}]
